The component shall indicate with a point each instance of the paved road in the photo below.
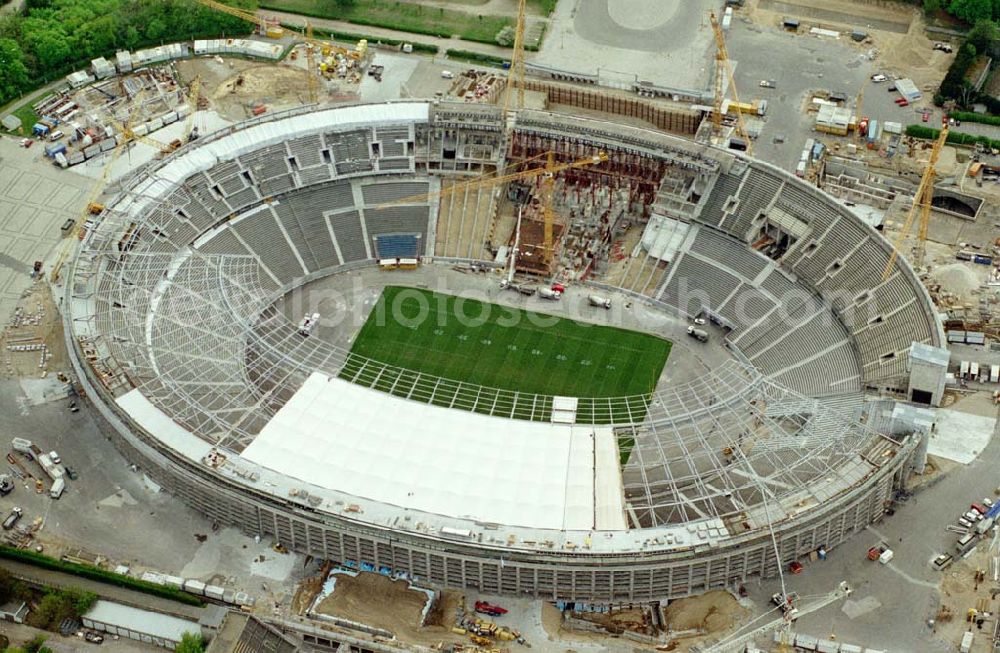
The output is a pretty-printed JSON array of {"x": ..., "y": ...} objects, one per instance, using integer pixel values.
[
  {"x": 408, "y": 37},
  {"x": 59, "y": 644},
  {"x": 104, "y": 590},
  {"x": 904, "y": 593}
]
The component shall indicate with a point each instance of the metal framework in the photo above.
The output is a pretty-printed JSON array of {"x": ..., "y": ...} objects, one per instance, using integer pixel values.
[{"x": 199, "y": 336}]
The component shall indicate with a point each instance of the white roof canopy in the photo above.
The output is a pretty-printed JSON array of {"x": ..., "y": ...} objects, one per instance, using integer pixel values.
[{"x": 336, "y": 434}]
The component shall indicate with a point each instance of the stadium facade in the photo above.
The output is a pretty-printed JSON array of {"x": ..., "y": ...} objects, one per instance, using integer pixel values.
[{"x": 753, "y": 463}]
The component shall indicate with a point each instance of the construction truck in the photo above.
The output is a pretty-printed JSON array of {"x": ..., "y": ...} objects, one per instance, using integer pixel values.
[
  {"x": 600, "y": 302},
  {"x": 484, "y": 607},
  {"x": 549, "y": 293},
  {"x": 698, "y": 334}
]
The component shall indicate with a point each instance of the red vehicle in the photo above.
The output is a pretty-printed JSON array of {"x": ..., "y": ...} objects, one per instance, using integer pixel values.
[
  {"x": 978, "y": 507},
  {"x": 483, "y": 607},
  {"x": 925, "y": 116},
  {"x": 558, "y": 287},
  {"x": 903, "y": 102}
]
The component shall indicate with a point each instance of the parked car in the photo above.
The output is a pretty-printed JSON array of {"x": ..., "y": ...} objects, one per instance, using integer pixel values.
[
  {"x": 942, "y": 561},
  {"x": 964, "y": 523},
  {"x": 55, "y": 458},
  {"x": 879, "y": 77},
  {"x": 925, "y": 116},
  {"x": 768, "y": 83},
  {"x": 15, "y": 514},
  {"x": 987, "y": 502},
  {"x": 943, "y": 47},
  {"x": 71, "y": 473}
]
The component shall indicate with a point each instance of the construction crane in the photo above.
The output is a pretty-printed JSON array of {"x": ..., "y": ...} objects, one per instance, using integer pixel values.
[
  {"x": 311, "y": 70},
  {"x": 724, "y": 67},
  {"x": 922, "y": 199},
  {"x": 92, "y": 208},
  {"x": 857, "y": 110},
  {"x": 550, "y": 168},
  {"x": 547, "y": 172},
  {"x": 515, "y": 76},
  {"x": 306, "y": 36},
  {"x": 186, "y": 133},
  {"x": 264, "y": 26}
]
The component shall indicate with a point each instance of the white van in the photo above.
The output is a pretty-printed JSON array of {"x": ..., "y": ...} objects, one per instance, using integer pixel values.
[
  {"x": 447, "y": 74},
  {"x": 56, "y": 135}
]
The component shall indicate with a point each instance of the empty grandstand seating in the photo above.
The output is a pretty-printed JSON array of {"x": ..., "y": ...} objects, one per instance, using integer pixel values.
[
  {"x": 730, "y": 253},
  {"x": 397, "y": 246}
]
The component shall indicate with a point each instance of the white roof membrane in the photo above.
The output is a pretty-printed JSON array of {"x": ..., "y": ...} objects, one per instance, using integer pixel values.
[{"x": 336, "y": 434}]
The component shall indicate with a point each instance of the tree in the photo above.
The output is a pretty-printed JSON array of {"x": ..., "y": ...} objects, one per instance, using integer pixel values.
[
  {"x": 971, "y": 11},
  {"x": 190, "y": 643},
  {"x": 155, "y": 29},
  {"x": 505, "y": 36},
  {"x": 931, "y": 7},
  {"x": 983, "y": 37}
]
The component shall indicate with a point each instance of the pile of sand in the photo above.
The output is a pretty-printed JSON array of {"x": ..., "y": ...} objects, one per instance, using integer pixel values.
[
  {"x": 956, "y": 278},
  {"x": 713, "y": 612}
]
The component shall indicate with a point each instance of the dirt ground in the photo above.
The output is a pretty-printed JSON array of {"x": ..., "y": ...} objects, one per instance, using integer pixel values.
[
  {"x": 713, "y": 612},
  {"x": 959, "y": 593},
  {"x": 278, "y": 86},
  {"x": 906, "y": 53},
  {"x": 378, "y": 601},
  {"x": 36, "y": 322}
]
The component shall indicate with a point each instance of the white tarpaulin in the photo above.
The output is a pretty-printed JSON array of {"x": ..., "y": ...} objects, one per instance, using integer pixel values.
[{"x": 456, "y": 463}]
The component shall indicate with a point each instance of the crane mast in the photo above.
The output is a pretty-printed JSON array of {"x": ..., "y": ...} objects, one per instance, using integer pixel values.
[{"x": 922, "y": 201}]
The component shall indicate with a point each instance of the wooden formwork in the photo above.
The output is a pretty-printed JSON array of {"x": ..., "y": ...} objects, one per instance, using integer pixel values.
[{"x": 668, "y": 119}]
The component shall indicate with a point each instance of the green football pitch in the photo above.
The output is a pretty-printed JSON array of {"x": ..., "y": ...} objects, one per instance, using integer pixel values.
[{"x": 496, "y": 359}]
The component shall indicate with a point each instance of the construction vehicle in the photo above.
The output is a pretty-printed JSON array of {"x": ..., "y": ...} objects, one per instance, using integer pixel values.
[
  {"x": 698, "y": 334},
  {"x": 15, "y": 514},
  {"x": 882, "y": 553},
  {"x": 548, "y": 293},
  {"x": 599, "y": 302},
  {"x": 922, "y": 200},
  {"x": 484, "y": 607},
  {"x": 724, "y": 67}
]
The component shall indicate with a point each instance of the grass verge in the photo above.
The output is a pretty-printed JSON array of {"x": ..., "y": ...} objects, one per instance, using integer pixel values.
[
  {"x": 99, "y": 575},
  {"x": 402, "y": 16}
]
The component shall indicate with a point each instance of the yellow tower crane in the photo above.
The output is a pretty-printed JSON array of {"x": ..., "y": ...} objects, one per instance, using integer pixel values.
[
  {"x": 515, "y": 76},
  {"x": 857, "y": 113},
  {"x": 922, "y": 199},
  {"x": 311, "y": 70},
  {"x": 546, "y": 171},
  {"x": 724, "y": 67},
  {"x": 173, "y": 145},
  {"x": 91, "y": 207},
  {"x": 264, "y": 28}
]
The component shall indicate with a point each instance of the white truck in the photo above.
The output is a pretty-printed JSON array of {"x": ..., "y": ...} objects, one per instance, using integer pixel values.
[
  {"x": 966, "y": 642},
  {"x": 549, "y": 293},
  {"x": 57, "y": 488},
  {"x": 600, "y": 302},
  {"x": 51, "y": 470},
  {"x": 698, "y": 334},
  {"x": 21, "y": 445}
]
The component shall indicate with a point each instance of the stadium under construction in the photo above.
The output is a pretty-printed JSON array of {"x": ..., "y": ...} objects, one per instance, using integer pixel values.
[{"x": 750, "y": 453}]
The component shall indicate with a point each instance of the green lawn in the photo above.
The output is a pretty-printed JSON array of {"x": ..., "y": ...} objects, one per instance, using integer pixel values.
[
  {"x": 28, "y": 117},
  {"x": 403, "y": 16},
  {"x": 512, "y": 352}
]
